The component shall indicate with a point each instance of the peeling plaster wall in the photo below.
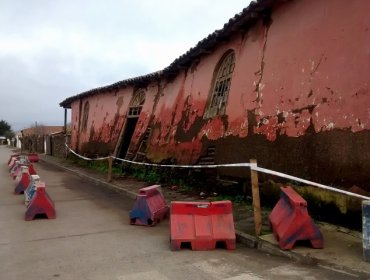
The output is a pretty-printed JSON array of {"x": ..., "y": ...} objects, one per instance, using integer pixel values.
[
  {"x": 105, "y": 119},
  {"x": 299, "y": 101},
  {"x": 316, "y": 61},
  {"x": 151, "y": 95},
  {"x": 313, "y": 118},
  {"x": 179, "y": 125},
  {"x": 75, "y": 124}
]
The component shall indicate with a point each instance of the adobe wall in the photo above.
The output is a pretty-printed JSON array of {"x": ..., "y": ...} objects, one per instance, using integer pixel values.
[
  {"x": 75, "y": 112},
  {"x": 58, "y": 145},
  {"x": 299, "y": 99},
  {"x": 106, "y": 115}
]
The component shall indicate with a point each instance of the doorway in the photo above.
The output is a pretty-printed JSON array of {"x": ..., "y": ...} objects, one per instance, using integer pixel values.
[
  {"x": 134, "y": 110},
  {"x": 127, "y": 135}
]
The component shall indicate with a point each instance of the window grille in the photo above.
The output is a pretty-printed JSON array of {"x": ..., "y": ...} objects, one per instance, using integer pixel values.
[
  {"x": 221, "y": 86},
  {"x": 85, "y": 116},
  {"x": 136, "y": 104}
]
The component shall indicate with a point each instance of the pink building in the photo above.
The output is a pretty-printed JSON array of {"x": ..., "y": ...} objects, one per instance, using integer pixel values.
[{"x": 285, "y": 82}]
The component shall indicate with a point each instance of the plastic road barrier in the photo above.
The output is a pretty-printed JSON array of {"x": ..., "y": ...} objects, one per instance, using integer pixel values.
[
  {"x": 202, "y": 225},
  {"x": 30, "y": 191},
  {"x": 22, "y": 181},
  {"x": 291, "y": 222},
  {"x": 40, "y": 204},
  {"x": 149, "y": 208}
]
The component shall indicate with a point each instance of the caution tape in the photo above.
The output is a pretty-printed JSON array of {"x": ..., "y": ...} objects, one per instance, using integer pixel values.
[
  {"x": 85, "y": 158},
  {"x": 252, "y": 166},
  {"x": 187, "y": 166},
  {"x": 321, "y": 186}
]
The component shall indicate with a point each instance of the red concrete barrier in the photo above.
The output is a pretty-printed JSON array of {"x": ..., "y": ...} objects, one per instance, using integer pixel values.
[
  {"x": 31, "y": 169},
  {"x": 203, "y": 225},
  {"x": 16, "y": 162},
  {"x": 31, "y": 189},
  {"x": 12, "y": 157},
  {"x": 33, "y": 157},
  {"x": 40, "y": 204},
  {"x": 291, "y": 222},
  {"x": 12, "y": 164},
  {"x": 15, "y": 169},
  {"x": 22, "y": 181},
  {"x": 149, "y": 208},
  {"x": 19, "y": 176}
]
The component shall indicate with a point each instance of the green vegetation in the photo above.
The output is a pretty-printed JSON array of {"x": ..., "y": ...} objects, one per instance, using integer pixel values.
[
  {"x": 236, "y": 199},
  {"x": 6, "y": 129},
  {"x": 98, "y": 165},
  {"x": 155, "y": 175}
]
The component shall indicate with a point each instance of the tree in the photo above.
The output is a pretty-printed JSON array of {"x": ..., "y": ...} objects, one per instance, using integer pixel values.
[
  {"x": 38, "y": 129},
  {"x": 9, "y": 134},
  {"x": 5, "y": 128}
]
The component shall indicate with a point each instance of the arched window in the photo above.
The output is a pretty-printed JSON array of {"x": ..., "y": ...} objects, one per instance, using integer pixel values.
[
  {"x": 221, "y": 85},
  {"x": 85, "y": 116},
  {"x": 136, "y": 104}
]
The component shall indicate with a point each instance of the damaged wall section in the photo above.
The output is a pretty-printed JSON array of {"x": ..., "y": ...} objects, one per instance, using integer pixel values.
[
  {"x": 299, "y": 100},
  {"x": 96, "y": 131}
]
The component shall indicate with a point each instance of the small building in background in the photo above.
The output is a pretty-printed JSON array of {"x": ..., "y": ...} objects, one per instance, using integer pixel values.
[
  {"x": 3, "y": 140},
  {"x": 55, "y": 143},
  {"x": 33, "y": 138}
]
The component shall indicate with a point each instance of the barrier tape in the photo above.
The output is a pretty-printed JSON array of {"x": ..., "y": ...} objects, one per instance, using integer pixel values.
[
  {"x": 187, "y": 166},
  {"x": 85, "y": 158},
  {"x": 165, "y": 165},
  {"x": 252, "y": 166},
  {"x": 321, "y": 186}
]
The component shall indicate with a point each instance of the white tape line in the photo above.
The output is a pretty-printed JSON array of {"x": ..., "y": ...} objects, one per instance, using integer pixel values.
[
  {"x": 187, "y": 166},
  {"x": 85, "y": 158},
  {"x": 268, "y": 171},
  {"x": 253, "y": 166}
]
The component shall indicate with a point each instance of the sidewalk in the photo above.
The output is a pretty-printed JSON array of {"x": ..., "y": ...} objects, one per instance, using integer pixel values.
[{"x": 342, "y": 249}]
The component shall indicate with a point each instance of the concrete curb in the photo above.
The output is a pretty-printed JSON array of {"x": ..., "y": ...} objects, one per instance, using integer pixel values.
[
  {"x": 252, "y": 241},
  {"x": 248, "y": 240},
  {"x": 95, "y": 181}
]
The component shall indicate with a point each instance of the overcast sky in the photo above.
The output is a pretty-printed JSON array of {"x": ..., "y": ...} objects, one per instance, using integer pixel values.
[{"x": 53, "y": 49}]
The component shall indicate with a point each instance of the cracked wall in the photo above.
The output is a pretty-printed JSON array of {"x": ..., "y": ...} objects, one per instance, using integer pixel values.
[
  {"x": 106, "y": 116},
  {"x": 153, "y": 92},
  {"x": 312, "y": 62},
  {"x": 298, "y": 102}
]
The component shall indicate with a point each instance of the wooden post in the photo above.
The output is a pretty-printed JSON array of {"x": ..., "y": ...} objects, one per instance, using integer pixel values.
[
  {"x": 65, "y": 121},
  {"x": 256, "y": 200},
  {"x": 110, "y": 164}
]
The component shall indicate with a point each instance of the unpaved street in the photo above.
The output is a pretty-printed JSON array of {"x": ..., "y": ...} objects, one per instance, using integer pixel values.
[{"x": 91, "y": 239}]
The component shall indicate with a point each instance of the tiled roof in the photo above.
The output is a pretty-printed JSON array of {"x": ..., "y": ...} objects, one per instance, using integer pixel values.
[
  {"x": 241, "y": 21},
  {"x": 42, "y": 130}
]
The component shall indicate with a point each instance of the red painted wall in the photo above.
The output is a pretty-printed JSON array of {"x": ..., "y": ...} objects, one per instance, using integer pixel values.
[
  {"x": 318, "y": 55},
  {"x": 106, "y": 116},
  {"x": 75, "y": 125},
  {"x": 151, "y": 93}
]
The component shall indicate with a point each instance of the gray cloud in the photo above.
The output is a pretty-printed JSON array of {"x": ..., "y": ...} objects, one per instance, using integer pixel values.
[{"x": 50, "y": 50}]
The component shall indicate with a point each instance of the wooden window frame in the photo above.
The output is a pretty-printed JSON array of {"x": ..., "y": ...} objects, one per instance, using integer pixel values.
[
  {"x": 217, "y": 101},
  {"x": 85, "y": 115},
  {"x": 136, "y": 104}
]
